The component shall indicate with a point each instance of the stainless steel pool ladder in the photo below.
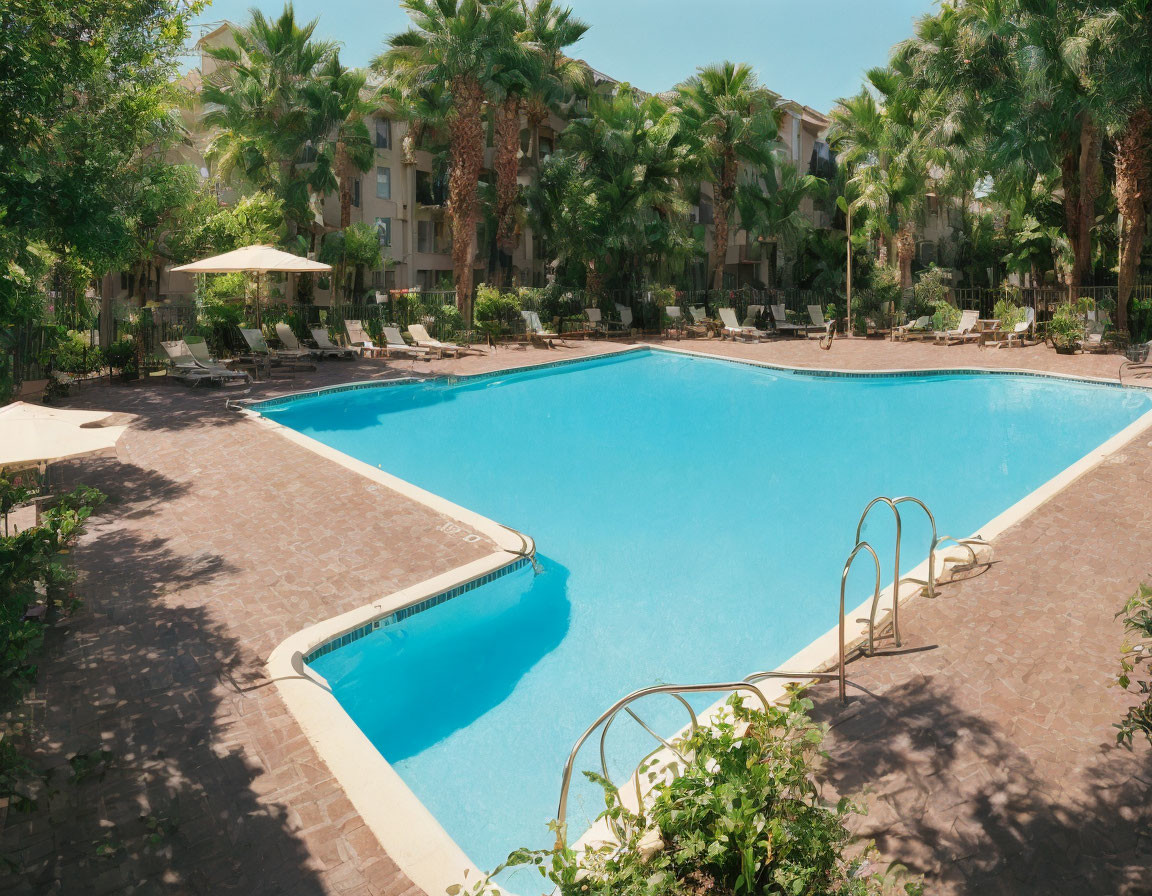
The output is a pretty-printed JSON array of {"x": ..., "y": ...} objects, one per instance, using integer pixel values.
[
  {"x": 930, "y": 584},
  {"x": 604, "y": 723}
]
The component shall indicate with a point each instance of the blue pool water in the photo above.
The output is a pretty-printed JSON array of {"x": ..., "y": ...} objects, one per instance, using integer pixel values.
[{"x": 692, "y": 517}]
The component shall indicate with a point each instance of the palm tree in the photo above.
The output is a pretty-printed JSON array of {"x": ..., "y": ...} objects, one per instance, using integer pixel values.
[
  {"x": 735, "y": 123},
  {"x": 611, "y": 200},
  {"x": 344, "y": 147},
  {"x": 457, "y": 44},
  {"x": 1112, "y": 52},
  {"x": 552, "y": 29},
  {"x": 888, "y": 165},
  {"x": 516, "y": 64},
  {"x": 259, "y": 108},
  {"x": 772, "y": 213}
]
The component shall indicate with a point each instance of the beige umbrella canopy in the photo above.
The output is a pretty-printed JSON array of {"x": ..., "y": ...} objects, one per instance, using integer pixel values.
[
  {"x": 255, "y": 260},
  {"x": 31, "y": 435}
]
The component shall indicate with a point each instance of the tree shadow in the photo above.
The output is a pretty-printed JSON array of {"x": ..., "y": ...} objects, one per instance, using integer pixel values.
[
  {"x": 150, "y": 789},
  {"x": 959, "y": 799}
]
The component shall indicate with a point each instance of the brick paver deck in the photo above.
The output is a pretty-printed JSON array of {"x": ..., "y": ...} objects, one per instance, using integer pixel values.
[{"x": 987, "y": 760}]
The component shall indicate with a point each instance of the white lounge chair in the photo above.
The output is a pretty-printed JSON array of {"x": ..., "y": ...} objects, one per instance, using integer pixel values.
[
  {"x": 329, "y": 348},
  {"x": 753, "y": 315},
  {"x": 918, "y": 329},
  {"x": 419, "y": 334},
  {"x": 394, "y": 344},
  {"x": 604, "y": 327},
  {"x": 734, "y": 329},
  {"x": 359, "y": 339},
  {"x": 782, "y": 325},
  {"x": 1020, "y": 331},
  {"x": 200, "y": 352},
  {"x": 291, "y": 344},
  {"x": 536, "y": 330},
  {"x": 260, "y": 352},
  {"x": 625, "y": 313},
  {"x": 965, "y": 332},
  {"x": 183, "y": 366}
]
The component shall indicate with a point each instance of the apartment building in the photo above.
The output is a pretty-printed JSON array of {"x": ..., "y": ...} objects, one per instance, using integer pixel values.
[{"x": 404, "y": 199}]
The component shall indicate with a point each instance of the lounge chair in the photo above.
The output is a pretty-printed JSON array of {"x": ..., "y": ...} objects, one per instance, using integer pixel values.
[
  {"x": 965, "y": 332},
  {"x": 780, "y": 322},
  {"x": 394, "y": 344},
  {"x": 200, "y": 352},
  {"x": 734, "y": 329},
  {"x": 260, "y": 352},
  {"x": 183, "y": 366},
  {"x": 701, "y": 319},
  {"x": 536, "y": 331},
  {"x": 752, "y": 318},
  {"x": 678, "y": 324},
  {"x": 329, "y": 348},
  {"x": 292, "y": 346},
  {"x": 918, "y": 329},
  {"x": 625, "y": 313},
  {"x": 419, "y": 334},
  {"x": 359, "y": 339},
  {"x": 604, "y": 327},
  {"x": 1020, "y": 331}
]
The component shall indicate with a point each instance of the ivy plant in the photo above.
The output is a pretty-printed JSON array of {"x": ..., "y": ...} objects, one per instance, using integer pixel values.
[{"x": 1137, "y": 615}]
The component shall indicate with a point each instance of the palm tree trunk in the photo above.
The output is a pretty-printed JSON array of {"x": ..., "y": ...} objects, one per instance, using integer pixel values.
[
  {"x": 1090, "y": 142},
  {"x": 467, "y": 160},
  {"x": 1133, "y": 180},
  {"x": 342, "y": 172},
  {"x": 537, "y": 115},
  {"x": 905, "y": 250},
  {"x": 506, "y": 163},
  {"x": 1070, "y": 182},
  {"x": 723, "y": 192}
]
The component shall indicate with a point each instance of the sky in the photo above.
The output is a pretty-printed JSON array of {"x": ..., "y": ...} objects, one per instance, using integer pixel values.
[{"x": 810, "y": 51}]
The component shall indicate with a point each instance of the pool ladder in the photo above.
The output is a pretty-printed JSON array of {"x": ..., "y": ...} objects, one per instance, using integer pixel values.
[{"x": 604, "y": 722}]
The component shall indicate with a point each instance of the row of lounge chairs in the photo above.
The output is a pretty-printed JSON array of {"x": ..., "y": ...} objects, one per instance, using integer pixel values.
[
  {"x": 969, "y": 329},
  {"x": 781, "y": 326}
]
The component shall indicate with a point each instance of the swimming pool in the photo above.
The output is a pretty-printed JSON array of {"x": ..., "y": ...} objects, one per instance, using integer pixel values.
[{"x": 691, "y": 517}]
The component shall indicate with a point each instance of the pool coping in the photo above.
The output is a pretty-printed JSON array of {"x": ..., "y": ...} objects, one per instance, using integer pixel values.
[{"x": 405, "y": 828}]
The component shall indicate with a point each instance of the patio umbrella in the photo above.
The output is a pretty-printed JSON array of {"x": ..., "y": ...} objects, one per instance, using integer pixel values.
[
  {"x": 31, "y": 435},
  {"x": 254, "y": 260}
]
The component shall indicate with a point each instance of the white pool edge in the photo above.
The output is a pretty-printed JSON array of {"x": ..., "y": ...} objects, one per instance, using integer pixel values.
[{"x": 404, "y": 827}]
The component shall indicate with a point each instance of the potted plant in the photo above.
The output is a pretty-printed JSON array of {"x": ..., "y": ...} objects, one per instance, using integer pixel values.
[{"x": 1065, "y": 331}]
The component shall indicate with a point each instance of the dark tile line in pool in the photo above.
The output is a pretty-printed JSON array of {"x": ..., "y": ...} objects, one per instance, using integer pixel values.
[{"x": 408, "y": 612}]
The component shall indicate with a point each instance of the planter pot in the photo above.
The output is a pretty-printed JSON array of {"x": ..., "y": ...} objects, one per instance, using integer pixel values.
[
  {"x": 1136, "y": 353},
  {"x": 1067, "y": 349}
]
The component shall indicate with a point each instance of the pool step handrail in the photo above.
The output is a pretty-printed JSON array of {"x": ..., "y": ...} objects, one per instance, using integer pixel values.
[{"x": 624, "y": 704}]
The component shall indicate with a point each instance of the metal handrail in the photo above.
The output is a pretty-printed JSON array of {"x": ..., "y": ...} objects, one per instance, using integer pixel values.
[
  {"x": 608, "y": 716},
  {"x": 931, "y": 583},
  {"x": 895, "y": 576},
  {"x": 839, "y": 674}
]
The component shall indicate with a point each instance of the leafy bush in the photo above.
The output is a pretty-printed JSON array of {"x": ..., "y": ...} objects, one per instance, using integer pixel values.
[
  {"x": 73, "y": 354},
  {"x": 945, "y": 315},
  {"x": 121, "y": 355},
  {"x": 447, "y": 321},
  {"x": 744, "y": 817},
  {"x": 494, "y": 307},
  {"x": 1066, "y": 328},
  {"x": 1137, "y": 615},
  {"x": 1008, "y": 313},
  {"x": 932, "y": 287}
]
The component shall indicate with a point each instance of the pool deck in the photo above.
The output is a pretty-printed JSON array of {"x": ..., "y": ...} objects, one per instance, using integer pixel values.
[{"x": 986, "y": 754}]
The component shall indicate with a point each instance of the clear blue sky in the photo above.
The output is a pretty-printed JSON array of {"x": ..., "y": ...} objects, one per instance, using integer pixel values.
[{"x": 811, "y": 51}]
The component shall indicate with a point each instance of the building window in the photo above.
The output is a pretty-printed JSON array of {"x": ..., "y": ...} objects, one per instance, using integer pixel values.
[
  {"x": 356, "y": 193},
  {"x": 430, "y": 190},
  {"x": 432, "y": 237},
  {"x": 383, "y": 133},
  {"x": 384, "y": 231},
  {"x": 383, "y": 183}
]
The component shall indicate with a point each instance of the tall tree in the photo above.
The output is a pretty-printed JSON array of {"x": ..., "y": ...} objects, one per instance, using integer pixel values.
[
  {"x": 734, "y": 121},
  {"x": 771, "y": 208},
  {"x": 344, "y": 146},
  {"x": 259, "y": 106},
  {"x": 457, "y": 44},
  {"x": 559, "y": 79}
]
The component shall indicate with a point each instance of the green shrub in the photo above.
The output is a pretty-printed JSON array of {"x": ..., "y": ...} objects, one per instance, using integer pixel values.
[
  {"x": 743, "y": 817},
  {"x": 1066, "y": 327},
  {"x": 1137, "y": 615},
  {"x": 932, "y": 287},
  {"x": 945, "y": 315},
  {"x": 73, "y": 354},
  {"x": 447, "y": 321},
  {"x": 494, "y": 306},
  {"x": 1008, "y": 313},
  {"x": 121, "y": 355}
]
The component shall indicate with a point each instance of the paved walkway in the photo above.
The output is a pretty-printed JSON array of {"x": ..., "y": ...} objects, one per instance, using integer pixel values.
[{"x": 987, "y": 760}]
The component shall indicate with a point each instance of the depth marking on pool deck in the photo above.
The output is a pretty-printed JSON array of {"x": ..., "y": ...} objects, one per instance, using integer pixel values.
[{"x": 404, "y": 826}]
